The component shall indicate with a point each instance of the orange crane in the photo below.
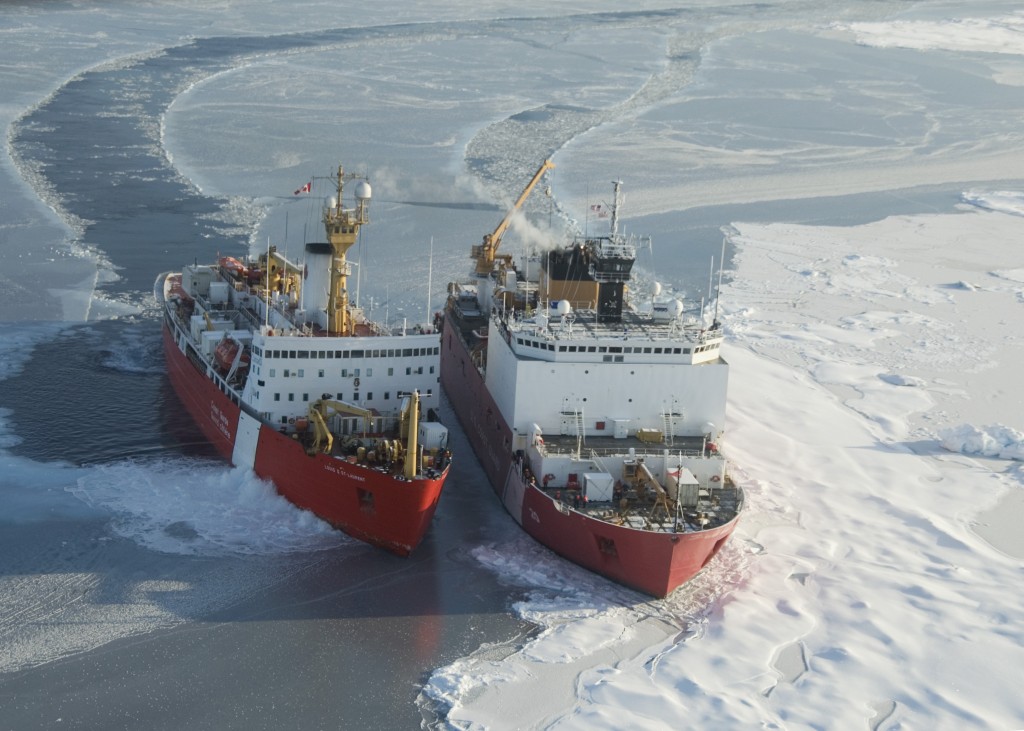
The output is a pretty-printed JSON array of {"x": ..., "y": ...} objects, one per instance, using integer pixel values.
[{"x": 485, "y": 254}]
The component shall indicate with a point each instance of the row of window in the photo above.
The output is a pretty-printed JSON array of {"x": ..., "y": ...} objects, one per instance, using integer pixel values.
[
  {"x": 340, "y": 354},
  {"x": 611, "y": 348},
  {"x": 341, "y": 396},
  {"x": 345, "y": 372}
]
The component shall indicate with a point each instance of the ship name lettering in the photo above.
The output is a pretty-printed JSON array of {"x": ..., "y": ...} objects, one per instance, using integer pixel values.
[
  {"x": 220, "y": 420},
  {"x": 338, "y": 471}
]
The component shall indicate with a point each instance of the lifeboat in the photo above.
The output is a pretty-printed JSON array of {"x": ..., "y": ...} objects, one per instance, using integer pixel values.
[
  {"x": 232, "y": 266},
  {"x": 224, "y": 355}
]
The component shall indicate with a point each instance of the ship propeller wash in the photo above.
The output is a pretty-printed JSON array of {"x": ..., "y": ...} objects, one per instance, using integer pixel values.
[
  {"x": 599, "y": 425},
  {"x": 285, "y": 375}
]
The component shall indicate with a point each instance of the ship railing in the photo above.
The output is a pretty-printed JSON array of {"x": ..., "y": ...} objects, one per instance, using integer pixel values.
[
  {"x": 600, "y": 276},
  {"x": 596, "y": 453},
  {"x": 251, "y": 317}
]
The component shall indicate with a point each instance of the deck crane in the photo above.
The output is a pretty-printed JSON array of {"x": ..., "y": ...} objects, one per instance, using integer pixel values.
[{"x": 485, "y": 254}]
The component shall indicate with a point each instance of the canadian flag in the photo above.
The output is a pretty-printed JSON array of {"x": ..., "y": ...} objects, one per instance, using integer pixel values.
[{"x": 305, "y": 188}]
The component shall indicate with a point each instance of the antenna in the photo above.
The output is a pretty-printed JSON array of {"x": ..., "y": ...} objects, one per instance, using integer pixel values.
[
  {"x": 711, "y": 274},
  {"x": 266, "y": 304},
  {"x": 718, "y": 292},
  {"x": 430, "y": 276},
  {"x": 614, "y": 226},
  {"x": 359, "y": 268}
]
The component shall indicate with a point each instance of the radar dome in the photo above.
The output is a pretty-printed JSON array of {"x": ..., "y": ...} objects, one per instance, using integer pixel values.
[
  {"x": 563, "y": 307},
  {"x": 363, "y": 191},
  {"x": 332, "y": 202},
  {"x": 676, "y": 308},
  {"x": 656, "y": 289}
]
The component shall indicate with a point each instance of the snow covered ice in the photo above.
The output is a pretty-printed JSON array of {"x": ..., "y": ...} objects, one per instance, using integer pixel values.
[{"x": 875, "y": 415}]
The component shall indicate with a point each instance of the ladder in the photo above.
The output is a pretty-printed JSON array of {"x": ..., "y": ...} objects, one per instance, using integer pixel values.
[
  {"x": 668, "y": 426},
  {"x": 580, "y": 432}
]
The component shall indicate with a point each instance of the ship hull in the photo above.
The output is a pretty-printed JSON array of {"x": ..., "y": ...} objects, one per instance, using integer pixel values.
[
  {"x": 652, "y": 562},
  {"x": 374, "y": 506}
]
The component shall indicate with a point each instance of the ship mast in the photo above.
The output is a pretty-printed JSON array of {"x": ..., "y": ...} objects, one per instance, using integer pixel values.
[{"x": 342, "y": 228}]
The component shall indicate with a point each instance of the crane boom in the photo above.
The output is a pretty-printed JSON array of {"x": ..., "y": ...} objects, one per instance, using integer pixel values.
[{"x": 486, "y": 253}]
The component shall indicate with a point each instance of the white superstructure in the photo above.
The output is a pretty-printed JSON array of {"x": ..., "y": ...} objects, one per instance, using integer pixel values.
[{"x": 613, "y": 379}]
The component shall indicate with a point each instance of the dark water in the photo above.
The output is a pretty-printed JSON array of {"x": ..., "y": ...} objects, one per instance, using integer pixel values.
[{"x": 328, "y": 639}]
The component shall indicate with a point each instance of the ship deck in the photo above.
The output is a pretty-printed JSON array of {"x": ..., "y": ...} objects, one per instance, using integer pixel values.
[
  {"x": 641, "y": 511},
  {"x": 716, "y": 505}
]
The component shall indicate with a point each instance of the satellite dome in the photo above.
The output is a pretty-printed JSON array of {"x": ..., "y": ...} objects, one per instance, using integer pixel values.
[
  {"x": 656, "y": 289},
  {"x": 563, "y": 307},
  {"x": 676, "y": 308},
  {"x": 363, "y": 191}
]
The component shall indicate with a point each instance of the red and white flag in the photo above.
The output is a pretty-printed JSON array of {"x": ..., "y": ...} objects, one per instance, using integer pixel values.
[
  {"x": 599, "y": 210},
  {"x": 305, "y": 188}
]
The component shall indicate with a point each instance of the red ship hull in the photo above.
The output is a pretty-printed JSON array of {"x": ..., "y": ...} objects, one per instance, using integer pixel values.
[
  {"x": 651, "y": 562},
  {"x": 373, "y": 506}
]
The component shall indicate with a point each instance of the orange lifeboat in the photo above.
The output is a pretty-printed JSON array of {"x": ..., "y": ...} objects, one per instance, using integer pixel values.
[
  {"x": 224, "y": 355},
  {"x": 232, "y": 266}
]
